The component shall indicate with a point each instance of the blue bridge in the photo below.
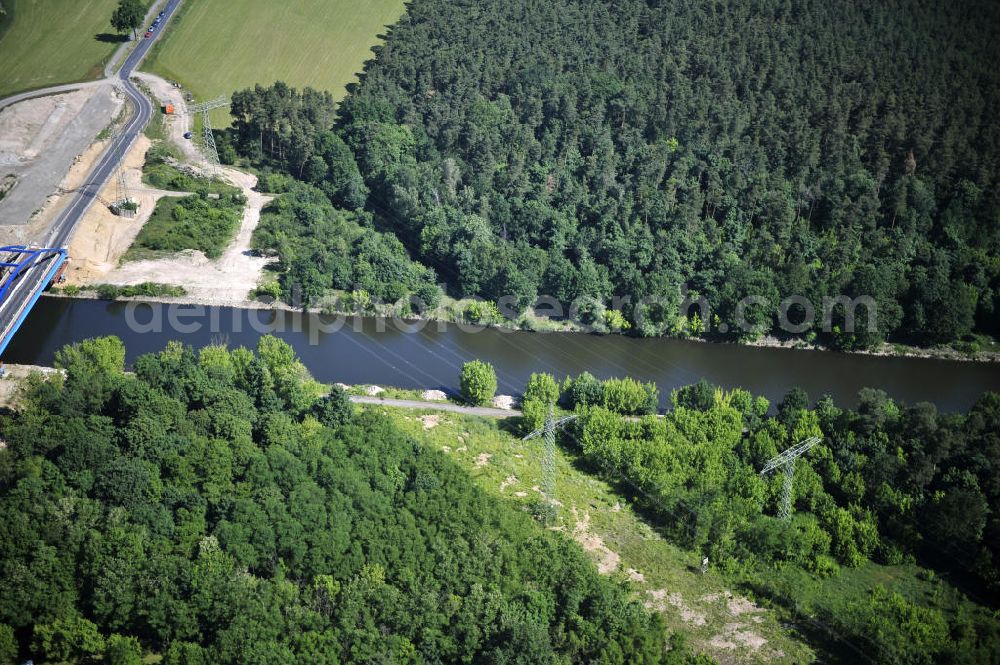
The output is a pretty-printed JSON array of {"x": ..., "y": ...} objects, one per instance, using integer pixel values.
[{"x": 26, "y": 272}]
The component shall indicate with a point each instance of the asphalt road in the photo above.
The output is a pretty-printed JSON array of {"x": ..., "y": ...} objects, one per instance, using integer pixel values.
[
  {"x": 23, "y": 292},
  {"x": 62, "y": 228}
]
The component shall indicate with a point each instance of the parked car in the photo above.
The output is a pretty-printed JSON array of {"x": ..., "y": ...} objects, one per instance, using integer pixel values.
[
  {"x": 187, "y": 135},
  {"x": 149, "y": 33},
  {"x": 160, "y": 15}
]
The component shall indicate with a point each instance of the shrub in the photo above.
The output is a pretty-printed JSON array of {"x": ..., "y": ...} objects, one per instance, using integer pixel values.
[
  {"x": 629, "y": 397},
  {"x": 584, "y": 390},
  {"x": 479, "y": 382},
  {"x": 533, "y": 412},
  {"x": 615, "y": 321},
  {"x": 123, "y": 650},
  {"x": 481, "y": 312},
  {"x": 542, "y": 387},
  {"x": 699, "y": 396}
]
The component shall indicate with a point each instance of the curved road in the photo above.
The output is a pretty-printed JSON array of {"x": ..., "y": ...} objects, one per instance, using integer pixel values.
[
  {"x": 24, "y": 291},
  {"x": 62, "y": 227}
]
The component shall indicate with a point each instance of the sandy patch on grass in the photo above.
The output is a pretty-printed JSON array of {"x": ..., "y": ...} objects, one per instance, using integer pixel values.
[
  {"x": 225, "y": 280},
  {"x": 738, "y": 605},
  {"x": 735, "y": 636},
  {"x": 482, "y": 460},
  {"x": 735, "y": 605},
  {"x": 430, "y": 421},
  {"x": 101, "y": 237},
  {"x": 635, "y": 575},
  {"x": 661, "y": 599},
  {"x": 507, "y": 482},
  {"x": 608, "y": 560}
]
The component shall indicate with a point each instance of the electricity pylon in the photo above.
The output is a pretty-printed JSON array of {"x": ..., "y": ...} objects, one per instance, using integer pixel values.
[
  {"x": 787, "y": 460},
  {"x": 211, "y": 152},
  {"x": 548, "y": 433},
  {"x": 123, "y": 206}
]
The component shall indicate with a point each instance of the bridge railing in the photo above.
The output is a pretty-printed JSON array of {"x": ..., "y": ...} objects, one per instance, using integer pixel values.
[{"x": 30, "y": 254}]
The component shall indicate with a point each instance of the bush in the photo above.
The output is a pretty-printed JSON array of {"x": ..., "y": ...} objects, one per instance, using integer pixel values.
[
  {"x": 123, "y": 650},
  {"x": 542, "y": 387},
  {"x": 482, "y": 312},
  {"x": 629, "y": 397},
  {"x": 615, "y": 321},
  {"x": 271, "y": 290},
  {"x": 479, "y": 382},
  {"x": 145, "y": 289},
  {"x": 699, "y": 396},
  {"x": 584, "y": 390},
  {"x": 272, "y": 182},
  {"x": 533, "y": 413}
]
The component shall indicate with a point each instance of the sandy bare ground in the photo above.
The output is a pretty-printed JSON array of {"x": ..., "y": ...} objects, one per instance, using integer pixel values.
[
  {"x": 102, "y": 238},
  {"x": 608, "y": 561},
  {"x": 177, "y": 123},
  {"x": 11, "y": 381},
  {"x": 226, "y": 280},
  {"x": 47, "y": 145}
]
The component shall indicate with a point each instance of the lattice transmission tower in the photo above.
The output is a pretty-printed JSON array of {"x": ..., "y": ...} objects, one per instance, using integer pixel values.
[
  {"x": 123, "y": 205},
  {"x": 548, "y": 434},
  {"x": 787, "y": 460},
  {"x": 204, "y": 108}
]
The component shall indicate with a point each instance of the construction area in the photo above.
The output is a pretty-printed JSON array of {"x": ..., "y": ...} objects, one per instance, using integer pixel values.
[
  {"x": 47, "y": 147},
  {"x": 49, "y": 144},
  {"x": 103, "y": 237}
]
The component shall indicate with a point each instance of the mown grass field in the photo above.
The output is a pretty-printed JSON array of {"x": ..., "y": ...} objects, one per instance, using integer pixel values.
[
  {"x": 217, "y": 46},
  {"x": 48, "y": 42}
]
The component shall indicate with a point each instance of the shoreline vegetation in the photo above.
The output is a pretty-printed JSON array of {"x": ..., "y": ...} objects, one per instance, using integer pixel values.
[{"x": 161, "y": 293}]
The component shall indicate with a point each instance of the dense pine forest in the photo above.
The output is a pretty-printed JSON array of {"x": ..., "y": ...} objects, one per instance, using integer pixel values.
[
  {"x": 211, "y": 507},
  {"x": 593, "y": 149}
]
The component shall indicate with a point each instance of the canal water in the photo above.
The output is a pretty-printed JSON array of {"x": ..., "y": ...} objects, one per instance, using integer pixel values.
[{"x": 372, "y": 351}]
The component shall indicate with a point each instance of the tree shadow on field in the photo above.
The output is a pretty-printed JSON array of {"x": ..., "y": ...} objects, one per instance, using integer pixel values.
[{"x": 110, "y": 38}]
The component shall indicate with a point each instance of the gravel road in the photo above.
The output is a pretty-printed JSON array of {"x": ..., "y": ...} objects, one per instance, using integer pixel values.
[{"x": 437, "y": 406}]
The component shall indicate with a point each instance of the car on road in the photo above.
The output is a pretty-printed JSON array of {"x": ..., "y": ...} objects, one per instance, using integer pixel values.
[
  {"x": 149, "y": 33},
  {"x": 160, "y": 15}
]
